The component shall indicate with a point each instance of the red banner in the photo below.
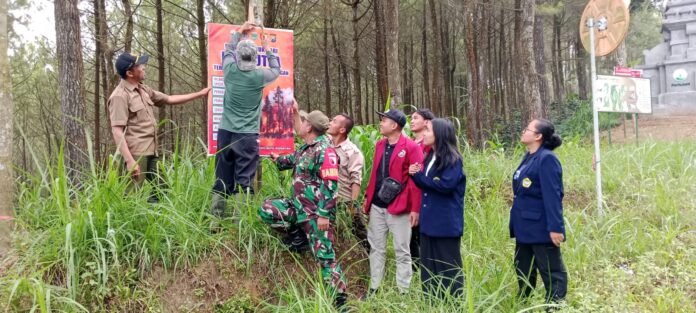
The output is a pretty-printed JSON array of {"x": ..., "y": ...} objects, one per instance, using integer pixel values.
[
  {"x": 627, "y": 71},
  {"x": 276, "y": 133}
]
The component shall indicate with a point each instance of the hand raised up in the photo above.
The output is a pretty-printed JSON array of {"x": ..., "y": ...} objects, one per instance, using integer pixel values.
[{"x": 246, "y": 27}]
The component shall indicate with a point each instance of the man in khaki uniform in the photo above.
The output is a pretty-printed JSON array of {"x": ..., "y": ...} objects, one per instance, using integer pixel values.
[
  {"x": 351, "y": 163},
  {"x": 133, "y": 122}
]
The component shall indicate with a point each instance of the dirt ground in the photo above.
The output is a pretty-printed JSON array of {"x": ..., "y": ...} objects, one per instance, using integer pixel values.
[
  {"x": 655, "y": 127},
  {"x": 206, "y": 286}
]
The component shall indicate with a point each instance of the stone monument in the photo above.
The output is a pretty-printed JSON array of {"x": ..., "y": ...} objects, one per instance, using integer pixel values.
[{"x": 671, "y": 65}]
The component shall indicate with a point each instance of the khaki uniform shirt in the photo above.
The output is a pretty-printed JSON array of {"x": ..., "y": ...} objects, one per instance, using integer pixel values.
[
  {"x": 350, "y": 169},
  {"x": 131, "y": 106}
]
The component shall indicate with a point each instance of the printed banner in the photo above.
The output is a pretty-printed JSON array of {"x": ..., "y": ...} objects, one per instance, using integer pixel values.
[
  {"x": 276, "y": 133},
  {"x": 627, "y": 71},
  {"x": 623, "y": 94}
]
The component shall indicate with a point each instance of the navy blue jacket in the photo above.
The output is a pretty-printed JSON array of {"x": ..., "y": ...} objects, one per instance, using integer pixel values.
[
  {"x": 442, "y": 205},
  {"x": 538, "y": 205}
]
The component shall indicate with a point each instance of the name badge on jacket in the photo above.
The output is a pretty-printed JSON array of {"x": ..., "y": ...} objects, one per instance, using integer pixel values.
[{"x": 526, "y": 182}]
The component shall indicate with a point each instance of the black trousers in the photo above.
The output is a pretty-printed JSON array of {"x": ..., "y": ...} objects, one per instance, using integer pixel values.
[
  {"x": 441, "y": 265},
  {"x": 547, "y": 260},
  {"x": 415, "y": 247},
  {"x": 236, "y": 162}
]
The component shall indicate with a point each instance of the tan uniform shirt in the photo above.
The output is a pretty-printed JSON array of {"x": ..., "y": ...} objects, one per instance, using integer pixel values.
[
  {"x": 350, "y": 169},
  {"x": 131, "y": 106}
]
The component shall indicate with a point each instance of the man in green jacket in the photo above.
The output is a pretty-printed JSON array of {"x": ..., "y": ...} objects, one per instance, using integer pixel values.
[{"x": 238, "y": 136}]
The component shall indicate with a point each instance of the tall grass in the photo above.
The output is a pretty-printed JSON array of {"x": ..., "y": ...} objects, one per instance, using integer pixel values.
[
  {"x": 103, "y": 235},
  {"x": 90, "y": 248}
]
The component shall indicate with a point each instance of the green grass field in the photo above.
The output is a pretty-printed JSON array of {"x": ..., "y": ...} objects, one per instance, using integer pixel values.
[{"x": 99, "y": 248}]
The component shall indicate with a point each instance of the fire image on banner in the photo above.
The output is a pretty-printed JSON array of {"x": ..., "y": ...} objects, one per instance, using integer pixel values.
[
  {"x": 276, "y": 133},
  {"x": 623, "y": 94}
]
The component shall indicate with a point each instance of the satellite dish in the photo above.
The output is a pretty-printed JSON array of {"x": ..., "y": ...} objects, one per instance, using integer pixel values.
[{"x": 611, "y": 20}]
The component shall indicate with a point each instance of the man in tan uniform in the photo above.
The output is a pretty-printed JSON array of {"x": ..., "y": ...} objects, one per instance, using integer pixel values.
[
  {"x": 133, "y": 122},
  {"x": 351, "y": 163}
]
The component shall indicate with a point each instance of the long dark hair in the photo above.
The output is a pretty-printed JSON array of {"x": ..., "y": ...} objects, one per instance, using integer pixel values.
[
  {"x": 549, "y": 139},
  {"x": 445, "y": 144}
]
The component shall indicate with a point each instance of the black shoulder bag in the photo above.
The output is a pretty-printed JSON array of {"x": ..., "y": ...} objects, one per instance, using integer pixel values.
[{"x": 390, "y": 187}]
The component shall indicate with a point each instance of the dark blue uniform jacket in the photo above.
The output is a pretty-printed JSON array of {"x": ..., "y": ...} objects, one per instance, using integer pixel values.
[
  {"x": 442, "y": 207},
  {"x": 537, "y": 208}
]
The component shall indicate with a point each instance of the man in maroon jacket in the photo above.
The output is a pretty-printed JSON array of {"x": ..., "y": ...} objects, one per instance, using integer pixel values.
[{"x": 393, "y": 155}]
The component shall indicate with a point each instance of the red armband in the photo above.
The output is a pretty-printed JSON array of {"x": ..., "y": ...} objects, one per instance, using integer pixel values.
[{"x": 329, "y": 169}]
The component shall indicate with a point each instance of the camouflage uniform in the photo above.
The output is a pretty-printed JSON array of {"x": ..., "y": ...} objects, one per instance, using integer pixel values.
[{"x": 314, "y": 188}]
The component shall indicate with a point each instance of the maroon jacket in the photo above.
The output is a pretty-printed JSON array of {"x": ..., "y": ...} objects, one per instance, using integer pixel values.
[
  {"x": 406, "y": 152},
  {"x": 425, "y": 148}
]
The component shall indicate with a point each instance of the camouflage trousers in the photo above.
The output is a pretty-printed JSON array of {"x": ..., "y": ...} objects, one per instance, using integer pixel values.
[{"x": 281, "y": 215}]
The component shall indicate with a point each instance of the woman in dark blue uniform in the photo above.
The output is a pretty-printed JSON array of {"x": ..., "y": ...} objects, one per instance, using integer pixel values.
[
  {"x": 536, "y": 216},
  {"x": 442, "y": 181}
]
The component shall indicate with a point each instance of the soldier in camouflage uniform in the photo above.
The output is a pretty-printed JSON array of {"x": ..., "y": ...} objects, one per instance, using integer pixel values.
[{"x": 308, "y": 217}]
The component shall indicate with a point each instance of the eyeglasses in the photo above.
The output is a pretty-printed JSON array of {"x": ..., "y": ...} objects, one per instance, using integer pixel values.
[{"x": 530, "y": 130}]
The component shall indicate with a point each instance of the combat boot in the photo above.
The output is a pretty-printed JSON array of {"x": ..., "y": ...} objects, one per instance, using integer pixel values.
[
  {"x": 340, "y": 302},
  {"x": 296, "y": 240},
  {"x": 219, "y": 204}
]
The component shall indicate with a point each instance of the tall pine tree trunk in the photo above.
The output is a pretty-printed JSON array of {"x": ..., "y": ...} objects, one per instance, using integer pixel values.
[
  {"x": 449, "y": 42},
  {"x": 6, "y": 115},
  {"x": 129, "y": 25},
  {"x": 71, "y": 86},
  {"x": 437, "y": 92},
  {"x": 501, "y": 81},
  {"x": 540, "y": 62},
  {"x": 343, "y": 81},
  {"x": 161, "y": 70},
  {"x": 483, "y": 55},
  {"x": 407, "y": 65},
  {"x": 558, "y": 76},
  {"x": 391, "y": 22},
  {"x": 107, "y": 67},
  {"x": 97, "y": 72},
  {"x": 381, "y": 53},
  {"x": 474, "y": 112},
  {"x": 530, "y": 81},
  {"x": 202, "y": 61},
  {"x": 327, "y": 76},
  {"x": 428, "y": 101},
  {"x": 516, "y": 66},
  {"x": 581, "y": 69},
  {"x": 356, "y": 64}
]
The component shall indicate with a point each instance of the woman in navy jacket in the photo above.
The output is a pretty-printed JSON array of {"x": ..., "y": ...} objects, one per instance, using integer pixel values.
[
  {"x": 536, "y": 216},
  {"x": 442, "y": 181}
]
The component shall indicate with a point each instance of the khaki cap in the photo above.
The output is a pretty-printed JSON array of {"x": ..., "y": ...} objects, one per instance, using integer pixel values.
[{"x": 316, "y": 118}]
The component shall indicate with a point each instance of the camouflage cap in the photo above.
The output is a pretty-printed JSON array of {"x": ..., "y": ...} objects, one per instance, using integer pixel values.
[{"x": 316, "y": 118}]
